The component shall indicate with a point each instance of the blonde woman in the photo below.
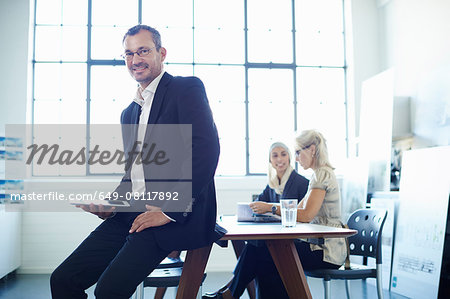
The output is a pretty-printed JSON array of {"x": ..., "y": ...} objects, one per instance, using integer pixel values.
[
  {"x": 283, "y": 182},
  {"x": 321, "y": 205}
]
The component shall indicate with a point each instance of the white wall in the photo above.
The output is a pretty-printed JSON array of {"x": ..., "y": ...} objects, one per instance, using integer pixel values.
[
  {"x": 414, "y": 38},
  {"x": 14, "y": 24}
]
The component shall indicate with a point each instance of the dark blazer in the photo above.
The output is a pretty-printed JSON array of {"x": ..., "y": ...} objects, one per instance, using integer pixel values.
[
  {"x": 296, "y": 187},
  {"x": 182, "y": 100}
]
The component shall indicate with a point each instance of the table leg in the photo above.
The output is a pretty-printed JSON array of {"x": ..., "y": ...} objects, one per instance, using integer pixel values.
[
  {"x": 238, "y": 246},
  {"x": 193, "y": 270},
  {"x": 285, "y": 257}
]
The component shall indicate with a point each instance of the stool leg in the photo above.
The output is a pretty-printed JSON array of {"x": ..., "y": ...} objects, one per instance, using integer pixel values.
[{"x": 193, "y": 271}]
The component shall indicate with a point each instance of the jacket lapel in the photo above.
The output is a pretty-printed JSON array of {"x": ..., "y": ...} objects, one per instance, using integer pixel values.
[
  {"x": 159, "y": 97},
  {"x": 135, "y": 114}
]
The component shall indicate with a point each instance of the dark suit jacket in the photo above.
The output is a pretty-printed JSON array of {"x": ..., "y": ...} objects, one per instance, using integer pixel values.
[
  {"x": 296, "y": 187},
  {"x": 182, "y": 100}
]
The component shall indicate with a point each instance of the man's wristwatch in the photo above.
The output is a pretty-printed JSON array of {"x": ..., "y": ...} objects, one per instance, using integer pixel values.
[{"x": 274, "y": 209}]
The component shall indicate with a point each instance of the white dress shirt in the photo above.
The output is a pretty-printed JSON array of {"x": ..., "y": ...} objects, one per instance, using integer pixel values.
[{"x": 143, "y": 98}]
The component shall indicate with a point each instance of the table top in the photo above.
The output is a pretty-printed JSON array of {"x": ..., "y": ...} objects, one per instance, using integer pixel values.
[{"x": 266, "y": 231}]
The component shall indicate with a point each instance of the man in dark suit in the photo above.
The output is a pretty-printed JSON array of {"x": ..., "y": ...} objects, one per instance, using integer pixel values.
[{"x": 127, "y": 246}]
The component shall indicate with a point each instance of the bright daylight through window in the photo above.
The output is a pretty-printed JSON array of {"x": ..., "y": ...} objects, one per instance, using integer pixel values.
[{"x": 269, "y": 67}]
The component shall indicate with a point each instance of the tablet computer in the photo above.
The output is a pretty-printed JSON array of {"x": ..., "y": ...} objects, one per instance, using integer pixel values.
[{"x": 106, "y": 203}]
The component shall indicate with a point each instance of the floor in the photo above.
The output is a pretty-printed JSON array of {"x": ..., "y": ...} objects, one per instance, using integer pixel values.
[{"x": 36, "y": 286}]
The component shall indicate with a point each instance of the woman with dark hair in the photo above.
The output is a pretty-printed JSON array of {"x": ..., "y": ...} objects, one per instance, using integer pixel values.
[{"x": 283, "y": 181}]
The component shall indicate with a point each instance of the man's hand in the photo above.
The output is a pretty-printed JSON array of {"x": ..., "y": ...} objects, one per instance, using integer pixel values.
[
  {"x": 153, "y": 217},
  {"x": 99, "y": 210},
  {"x": 260, "y": 207}
]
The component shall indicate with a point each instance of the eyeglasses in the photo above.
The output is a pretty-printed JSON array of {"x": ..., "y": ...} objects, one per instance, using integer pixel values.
[
  {"x": 297, "y": 152},
  {"x": 141, "y": 53}
]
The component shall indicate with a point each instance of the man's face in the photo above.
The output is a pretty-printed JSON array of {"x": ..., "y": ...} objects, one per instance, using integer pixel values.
[{"x": 146, "y": 68}]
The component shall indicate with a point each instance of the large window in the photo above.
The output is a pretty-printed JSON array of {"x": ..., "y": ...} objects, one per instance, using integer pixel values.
[{"x": 270, "y": 68}]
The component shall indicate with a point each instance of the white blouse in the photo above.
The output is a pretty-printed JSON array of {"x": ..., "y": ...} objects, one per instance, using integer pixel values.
[{"x": 334, "y": 249}]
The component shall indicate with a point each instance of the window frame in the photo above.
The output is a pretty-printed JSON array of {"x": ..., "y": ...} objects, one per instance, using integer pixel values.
[{"x": 247, "y": 65}]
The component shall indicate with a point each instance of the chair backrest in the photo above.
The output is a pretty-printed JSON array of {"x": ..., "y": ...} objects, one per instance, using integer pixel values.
[{"x": 369, "y": 224}]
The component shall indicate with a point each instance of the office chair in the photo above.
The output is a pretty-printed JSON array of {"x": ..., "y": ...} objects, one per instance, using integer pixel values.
[
  {"x": 166, "y": 275},
  {"x": 366, "y": 243}
]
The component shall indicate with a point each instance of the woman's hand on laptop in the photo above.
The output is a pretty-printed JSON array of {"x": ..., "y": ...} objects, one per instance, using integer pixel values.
[{"x": 260, "y": 207}]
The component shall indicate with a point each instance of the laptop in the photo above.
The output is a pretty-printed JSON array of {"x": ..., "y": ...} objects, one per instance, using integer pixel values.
[{"x": 245, "y": 214}]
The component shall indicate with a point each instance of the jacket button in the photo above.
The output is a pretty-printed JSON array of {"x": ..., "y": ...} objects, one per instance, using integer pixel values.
[{"x": 184, "y": 214}]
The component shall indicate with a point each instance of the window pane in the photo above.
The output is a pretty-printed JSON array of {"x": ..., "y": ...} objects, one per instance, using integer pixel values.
[
  {"x": 47, "y": 112},
  {"x": 269, "y": 46},
  {"x": 319, "y": 32},
  {"x": 179, "y": 69},
  {"x": 74, "y": 12},
  {"x": 271, "y": 97},
  {"x": 48, "y": 12},
  {"x": 112, "y": 90},
  {"x": 115, "y": 12},
  {"x": 68, "y": 138},
  {"x": 59, "y": 112},
  {"x": 269, "y": 31},
  {"x": 227, "y": 105},
  {"x": 72, "y": 111},
  {"x": 74, "y": 40},
  {"x": 269, "y": 14},
  {"x": 167, "y": 14},
  {"x": 73, "y": 81},
  {"x": 219, "y": 46},
  {"x": 321, "y": 105},
  {"x": 48, "y": 43},
  {"x": 178, "y": 43},
  {"x": 60, "y": 93},
  {"x": 47, "y": 81},
  {"x": 107, "y": 42},
  {"x": 231, "y": 14}
]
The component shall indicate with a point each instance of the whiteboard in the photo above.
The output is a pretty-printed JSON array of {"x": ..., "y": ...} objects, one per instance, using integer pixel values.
[{"x": 421, "y": 223}]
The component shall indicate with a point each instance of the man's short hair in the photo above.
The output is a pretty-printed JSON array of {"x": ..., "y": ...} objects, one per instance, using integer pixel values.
[{"x": 155, "y": 34}]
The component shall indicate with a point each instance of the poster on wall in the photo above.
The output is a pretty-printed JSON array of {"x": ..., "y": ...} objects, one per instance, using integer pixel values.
[{"x": 421, "y": 223}]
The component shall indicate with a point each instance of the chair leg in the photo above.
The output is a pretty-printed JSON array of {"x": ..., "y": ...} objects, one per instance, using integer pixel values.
[
  {"x": 160, "y": 292},
  {"x": 379, "y": 282},
  {"x": 347, "y": 288},
  {"x": 327, "y": 288}
]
